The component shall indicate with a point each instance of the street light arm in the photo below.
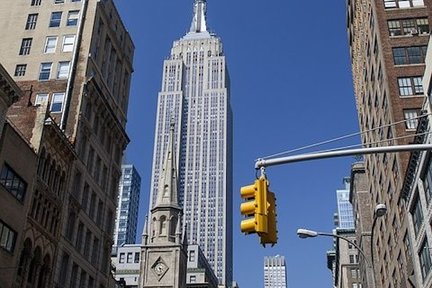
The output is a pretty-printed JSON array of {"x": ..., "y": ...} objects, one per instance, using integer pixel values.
[
  {"x": 340, "y": 153},
  {"x": 351, "y": 242}
]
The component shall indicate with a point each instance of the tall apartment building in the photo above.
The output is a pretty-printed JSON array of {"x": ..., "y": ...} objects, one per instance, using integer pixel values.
[
  {"x": 74, "y": 59},
  {"x": 388, "y": 40},
  {"x": 127, "y": 207},
  {"x": 345, "y": 217},
  {"x": 195, "y": 94},
  {"x": 275, "y": 274}
]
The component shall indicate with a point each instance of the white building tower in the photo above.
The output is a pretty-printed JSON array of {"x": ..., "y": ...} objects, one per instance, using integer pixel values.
[
  {"x": 195, "y": 93},
  {"x": 275, "y": 275}
]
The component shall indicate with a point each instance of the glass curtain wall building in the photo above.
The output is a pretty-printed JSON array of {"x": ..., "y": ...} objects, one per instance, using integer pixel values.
[
  {"x": 127, "y": 207},
  {"x": 195, "y": 95},
  {"x": 345, "y": 210}
]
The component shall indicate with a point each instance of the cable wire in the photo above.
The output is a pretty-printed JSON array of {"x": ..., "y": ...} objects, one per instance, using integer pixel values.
[{"x": 352, "y": 135}]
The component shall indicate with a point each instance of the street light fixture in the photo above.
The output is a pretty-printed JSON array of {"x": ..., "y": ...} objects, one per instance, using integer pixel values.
[
  {"x": 305, "y": 233},
  {"x": 380, "y": 211}
]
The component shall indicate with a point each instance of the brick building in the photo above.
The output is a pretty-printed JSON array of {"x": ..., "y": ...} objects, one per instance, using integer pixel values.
[{"x": 388, "y": 40}]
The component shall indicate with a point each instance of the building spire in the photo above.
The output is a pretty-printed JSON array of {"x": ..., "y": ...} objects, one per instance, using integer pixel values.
[
  {"x": 167, "y": 193},
  {"x": 199, "y": 19}
]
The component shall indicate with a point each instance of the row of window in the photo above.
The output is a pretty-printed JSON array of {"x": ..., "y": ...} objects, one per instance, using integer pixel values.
[
  {"x": 56, "y": 100},
  {"x": 409, "y": 55},
  {"x": 401, "y": 27},
  {"x": 39, "y": 2},
  {"x": 409, "y": 86},
  {"x": 128, "y": 259},
  {"x": 50, "y": 46},
  {"x": 56, "y": 17},
  {"x": 45, "y": 70},
  {"x": 389, "y": 4}
]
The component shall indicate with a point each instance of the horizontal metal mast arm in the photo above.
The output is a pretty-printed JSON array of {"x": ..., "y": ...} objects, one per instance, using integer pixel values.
[{"x": 341, "y": 153}]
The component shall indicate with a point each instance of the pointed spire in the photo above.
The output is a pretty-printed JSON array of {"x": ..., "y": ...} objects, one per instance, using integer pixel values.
[
  {"x": 199, "y": 20},
  {"x": 167, "y": 193}
]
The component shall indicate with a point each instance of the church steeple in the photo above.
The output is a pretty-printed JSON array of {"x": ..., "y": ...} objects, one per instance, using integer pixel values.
[
  {"x": 199, "y": 20},
  {"x": 167, "y": 192}
]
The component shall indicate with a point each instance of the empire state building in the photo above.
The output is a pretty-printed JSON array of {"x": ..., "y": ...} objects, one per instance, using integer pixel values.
[{"x": 195, "y": 94}]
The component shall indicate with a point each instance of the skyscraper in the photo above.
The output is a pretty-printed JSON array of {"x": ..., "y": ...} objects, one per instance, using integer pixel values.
[
  {"x": 127, "y": 206},
  {"x": 195, "y": 94},
  {"x": 345, "y": 210},
  {"x": 275, "y": 275},
  {"x": 388, "y": 41}
]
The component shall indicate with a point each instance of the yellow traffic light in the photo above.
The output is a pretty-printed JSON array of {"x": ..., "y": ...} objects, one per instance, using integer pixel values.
[
  {"x": 271, "y": 236},
  {"x": 255, "y": 207}
]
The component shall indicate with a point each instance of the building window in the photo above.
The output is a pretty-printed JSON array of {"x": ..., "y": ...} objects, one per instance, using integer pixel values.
[
  {"x": 55, "y": 19},
  {"x": 72, "y": 19},
  {"x": 192, "y": 279},
  {"x": 7, "y": 237},
  {"x": 63, "y": 70},
  {"x": 389, "y": 4},
  {"x": 425, "y": 259},
  {"x": 58, "y": 1},
  {"x": 411, "y": 118},
  {"x": 417, "y": 215},
  {"x": 45, "y": 71},
  {"x": 25, "y": 46},
  {"x": 408, "y": 26},
  {"x": 410, "y": 86},
  {"x": 31, "y": 21},
  {"x": 129, "y": 257},
  {"x": 192, "y": 256},
  {"x": 57, "y": 102},
  {"x": 36, "y": 2},
  {"x": 41, "y": 98},
  {"x": 137, "y": 257},
  {"x": 20, "y": 69},
  {"x": 409, "y": 55},
  {"x": 68, "y": 43},
  {"x": 122, "y": 258},
  {"x": 50, "y": 44},
  {"x": 12, "y": 182}
]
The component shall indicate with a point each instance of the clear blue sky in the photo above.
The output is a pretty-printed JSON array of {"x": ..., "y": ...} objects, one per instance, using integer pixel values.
[{"x": 290, "y": 86}]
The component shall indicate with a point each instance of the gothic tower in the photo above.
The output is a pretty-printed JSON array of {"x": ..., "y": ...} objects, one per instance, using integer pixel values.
[{"x": 164, "y": 250}]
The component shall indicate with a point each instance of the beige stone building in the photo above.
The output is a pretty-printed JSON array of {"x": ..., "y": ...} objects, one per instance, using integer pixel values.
[
  {"x": 73, "y": 57},
  {"x": 388, "y": 41}
]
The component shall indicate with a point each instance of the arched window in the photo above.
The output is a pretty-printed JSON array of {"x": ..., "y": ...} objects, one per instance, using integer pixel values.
[
  {"x": 46, "y": 168},
  {"x": 154, "y": 227},
  {"x": 173, "y": 225},
  {"x": 37, "y": 259},
  {"x": 41, "y": 162},
  {"x": 44, "y": 272},
  {"x": 24, "y": 257},
  {"x": 163, "y": 223}
]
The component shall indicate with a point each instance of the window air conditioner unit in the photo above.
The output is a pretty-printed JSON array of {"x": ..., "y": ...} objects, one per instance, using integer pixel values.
[{"x": 414, "y": 32}]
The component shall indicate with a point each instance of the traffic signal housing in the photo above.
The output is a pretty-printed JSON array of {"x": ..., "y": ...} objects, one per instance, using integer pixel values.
[
  {"x": 271, "y": 236},
  {"x": 254, "y": 207},
  {"x": 260, "y": 211}
]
